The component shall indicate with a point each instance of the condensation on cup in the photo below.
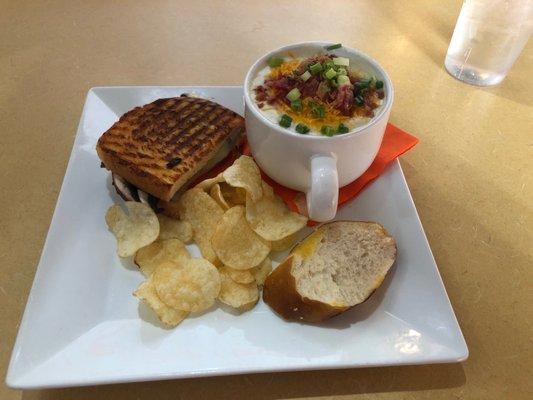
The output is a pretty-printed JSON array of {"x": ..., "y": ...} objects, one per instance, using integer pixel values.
[{"x": 488, "y": 38}]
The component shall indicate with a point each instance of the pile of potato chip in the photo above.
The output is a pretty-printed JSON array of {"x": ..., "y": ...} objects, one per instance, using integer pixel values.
[{"x": 235, "y": 219}]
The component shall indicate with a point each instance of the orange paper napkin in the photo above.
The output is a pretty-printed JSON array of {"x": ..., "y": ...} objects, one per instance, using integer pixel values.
[{"x": 395, "y": 143}]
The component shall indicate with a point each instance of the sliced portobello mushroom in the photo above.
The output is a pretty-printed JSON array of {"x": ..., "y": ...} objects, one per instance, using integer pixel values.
[{"x": 124, "y": 189}]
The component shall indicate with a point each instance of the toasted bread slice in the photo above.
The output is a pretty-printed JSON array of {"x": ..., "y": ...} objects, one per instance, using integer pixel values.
[
  {"x": 160, "y": 146},
  {"x": 336, "y": 267}
]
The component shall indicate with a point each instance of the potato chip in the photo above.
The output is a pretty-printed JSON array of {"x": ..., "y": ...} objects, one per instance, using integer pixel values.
[
  {"x": 169, "y": 316},
  {"x": 204, "y": 214},
  {"x": 149, "y": 257},
  {"x": 244, "y": 173},
  {"x": 240, "y": 296},
  {"x": 216, "y": 194},
  {"x": 208, "y": 183},
  {"x": 171, "y": 228},
  {"x": 284, "y": 244},
  {"x": 137, "y": 229},
  {"x": 236, "y": 244},
  {"x": 192, "y": 285},
  {"x": 270, "y": 217},
  {"x": 234, "y": 196},
  {"x": 262, "y": 271},
  {"x": 239, "y": 276}
]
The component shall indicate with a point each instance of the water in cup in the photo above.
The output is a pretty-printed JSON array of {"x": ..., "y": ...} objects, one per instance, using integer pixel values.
[{"x": 488, "y": 38}]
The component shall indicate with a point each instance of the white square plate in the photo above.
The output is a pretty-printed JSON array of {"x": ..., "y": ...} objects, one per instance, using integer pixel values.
[{"x": 82, "y": 326}]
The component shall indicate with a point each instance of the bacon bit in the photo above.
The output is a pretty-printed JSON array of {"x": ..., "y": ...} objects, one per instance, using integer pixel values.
[
  {"x": 322, "y": 90},
  {"x": 344, "y": 100},
  {"x": 371, "y": 99},
  {"x": 280, "y": 83},
  {"x": 261, "y": 96},
  {"x": 309, "y": 88}
]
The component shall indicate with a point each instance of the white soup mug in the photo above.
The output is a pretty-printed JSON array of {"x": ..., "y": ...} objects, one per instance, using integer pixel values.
[{"x": 316, "y": 165}]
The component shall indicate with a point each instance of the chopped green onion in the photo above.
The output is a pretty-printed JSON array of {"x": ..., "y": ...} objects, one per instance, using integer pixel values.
[
  {"x": 319, "y": 112},
  {"x": 274, "y": 62},
  {"x": 331, "y": 73},
  {"x": 342, "y": 128},
  {"x": 296, "y": 105},
  {"x": 327, "y": 130},
  {"x": 342, "y": 71},
  {"x": 334, "y": 46},
  {"x": 285, "y": 121},
  {"x": 379, "y": 84},
  {"x": 343, "y": 80},
  {"x": 362, "y": 84},
  {"x": 294, "y": 94},
  {"x": 341, "y": 61},
  {"x": 329, "y": 64},
  {"x": 305, "y": 76},
  {"x": 359, "y": 101},
  {"x": 315, "y": 68},
  {"x": 301, "y": 128}
]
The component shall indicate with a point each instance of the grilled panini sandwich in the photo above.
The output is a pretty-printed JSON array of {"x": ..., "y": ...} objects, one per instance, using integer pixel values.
[{"x": 160, "y": 147}]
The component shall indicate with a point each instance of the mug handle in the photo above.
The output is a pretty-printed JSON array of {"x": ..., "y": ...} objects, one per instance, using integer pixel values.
[{"x": 323, "y": 193}]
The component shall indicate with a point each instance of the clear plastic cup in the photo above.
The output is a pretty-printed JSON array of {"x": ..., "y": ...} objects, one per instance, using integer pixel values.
[{"x": 488, "y": 38}]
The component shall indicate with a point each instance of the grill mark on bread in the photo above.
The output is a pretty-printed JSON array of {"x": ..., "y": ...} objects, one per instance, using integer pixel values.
[
  {"x": 137, "y": 166},
  {"x": 189, "y": 109},
  {"x": 212, "y": 116},
  {"x": 195, "y": 135},
  {"x": 136, "y": 154},
  {"x": 194, "y": 143},
  {"x": 200, "y": 127},
  {"x": 202, "y": 130},
  {"x": 164, "y": 121},
  {"x": 172, "y": 163}
]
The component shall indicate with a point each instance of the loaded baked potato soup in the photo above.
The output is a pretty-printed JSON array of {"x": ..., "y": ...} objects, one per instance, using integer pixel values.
[{"x": 318, "y": 95}]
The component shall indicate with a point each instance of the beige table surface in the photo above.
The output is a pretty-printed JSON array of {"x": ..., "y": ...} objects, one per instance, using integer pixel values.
[{"x": 471, "y": 175}]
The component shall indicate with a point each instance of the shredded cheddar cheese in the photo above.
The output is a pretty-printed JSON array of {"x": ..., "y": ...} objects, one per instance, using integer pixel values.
[
  {"x": 333, "y": 116},
  {"x": 284, "y": 69}
]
